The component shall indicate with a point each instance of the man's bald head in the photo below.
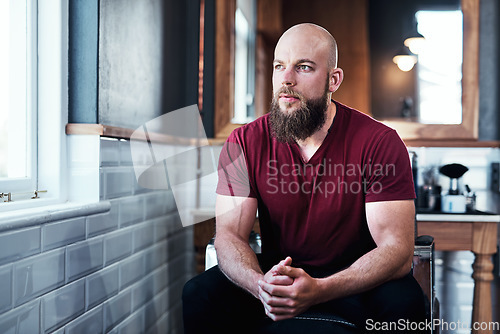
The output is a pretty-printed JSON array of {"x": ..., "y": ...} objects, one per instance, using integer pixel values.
[{"x": 310, "y": 30}]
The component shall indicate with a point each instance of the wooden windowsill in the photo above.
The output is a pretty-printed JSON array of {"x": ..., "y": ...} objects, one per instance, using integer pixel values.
[
  {"x": 125, "y": 133},
  {"x": 98, "y": 129}
]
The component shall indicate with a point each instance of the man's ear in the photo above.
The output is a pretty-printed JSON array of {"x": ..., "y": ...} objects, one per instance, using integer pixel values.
[{"x": 336, "y": 77}]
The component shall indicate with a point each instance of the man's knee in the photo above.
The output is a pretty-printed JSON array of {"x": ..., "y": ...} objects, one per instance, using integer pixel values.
[
  {"x": 198, "y": 301},
  {"x": 191, "y": 290},
  {"x": 213, "y": 304},
  {"x": 199, "y": 288},
  {"x": 401, "y": 299}
]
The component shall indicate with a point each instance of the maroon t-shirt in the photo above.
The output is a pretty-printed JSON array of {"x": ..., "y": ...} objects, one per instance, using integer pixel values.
[{"x": 315, "y": 211}]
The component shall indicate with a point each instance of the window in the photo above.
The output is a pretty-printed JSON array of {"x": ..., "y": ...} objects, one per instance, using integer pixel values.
[
  {"x": 18, "y": 77},
  {"x": 440, "y": 67},
  {"x": 244, "y": 62},
  {"x": 33, "y": 102}
]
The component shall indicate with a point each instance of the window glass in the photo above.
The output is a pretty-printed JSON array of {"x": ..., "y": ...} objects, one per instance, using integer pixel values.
[
  {"x": 17, "y": 94},
  {"x": 244, "y": 62},
  {"x": 440, "y": 67}
]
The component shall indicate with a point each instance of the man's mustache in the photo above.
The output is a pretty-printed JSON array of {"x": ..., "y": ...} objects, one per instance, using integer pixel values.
[{"x": 288, "y": 91}]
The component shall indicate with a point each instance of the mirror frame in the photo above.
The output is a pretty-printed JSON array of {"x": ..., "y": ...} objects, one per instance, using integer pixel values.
[{"x": 468, "y": 129}]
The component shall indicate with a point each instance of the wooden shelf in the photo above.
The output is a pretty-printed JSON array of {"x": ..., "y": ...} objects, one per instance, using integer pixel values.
[
  {"x": 125, "y": 133},
  {"x": 451, "y": 143}
]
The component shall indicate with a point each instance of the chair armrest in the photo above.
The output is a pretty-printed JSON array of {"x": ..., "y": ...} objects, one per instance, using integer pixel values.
[
  {"x": 210, "y": 255},
  {"x": 424, "y": 240}
]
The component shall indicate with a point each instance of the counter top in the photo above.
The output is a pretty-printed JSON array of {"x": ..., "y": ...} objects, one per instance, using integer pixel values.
[{"x": 476, "y": 216}]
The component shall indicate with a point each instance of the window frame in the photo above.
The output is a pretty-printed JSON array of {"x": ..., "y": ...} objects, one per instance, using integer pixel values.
[{"x": 51, "y": 24}]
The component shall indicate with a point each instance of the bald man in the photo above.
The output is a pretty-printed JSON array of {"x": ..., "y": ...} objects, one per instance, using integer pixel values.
[{"x": 334, "y": 193}]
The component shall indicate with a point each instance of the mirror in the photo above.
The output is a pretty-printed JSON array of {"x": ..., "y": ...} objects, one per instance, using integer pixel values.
[
  {"x": 461, "y": 125},
  {"x": 275, "y": 16},
  {"x": 428, "y": 87},
  {"x": 425, "y": 85}
]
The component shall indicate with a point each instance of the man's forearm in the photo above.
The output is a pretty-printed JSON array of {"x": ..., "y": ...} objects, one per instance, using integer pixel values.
[
  {"x": 372, "y": 269},
  {"x": 239, "y": 263}
]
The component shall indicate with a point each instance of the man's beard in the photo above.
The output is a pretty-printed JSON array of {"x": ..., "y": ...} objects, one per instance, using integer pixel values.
[{"x": 301, "y": 123}]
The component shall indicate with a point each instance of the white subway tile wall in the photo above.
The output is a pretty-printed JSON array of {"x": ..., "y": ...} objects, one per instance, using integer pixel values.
[{"x": 117, "y": 272}]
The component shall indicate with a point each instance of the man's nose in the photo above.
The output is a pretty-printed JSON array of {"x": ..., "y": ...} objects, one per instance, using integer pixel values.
[{"x": 288, "y": 78}]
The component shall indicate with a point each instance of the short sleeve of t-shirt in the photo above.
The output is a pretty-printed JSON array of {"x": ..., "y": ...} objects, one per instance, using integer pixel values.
[
  {"x": 388, "y": 172},
  {"x": 233, "y": 170}
]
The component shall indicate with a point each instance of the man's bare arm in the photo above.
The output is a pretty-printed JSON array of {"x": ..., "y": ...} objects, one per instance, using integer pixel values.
[
  {"x": 392, "y": 228},
  {"x": 235, "y": 217}
]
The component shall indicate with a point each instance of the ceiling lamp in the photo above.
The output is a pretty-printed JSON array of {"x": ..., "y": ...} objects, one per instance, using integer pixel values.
[
  {"x": 415, "y": 42},
  {"x": 405, "y": 59}
]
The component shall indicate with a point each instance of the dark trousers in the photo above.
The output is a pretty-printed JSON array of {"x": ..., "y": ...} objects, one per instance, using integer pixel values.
[{"x": 213, "y": 304}]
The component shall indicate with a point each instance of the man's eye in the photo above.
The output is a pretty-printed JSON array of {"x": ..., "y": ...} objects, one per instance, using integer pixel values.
[
  {"x": 305, "y": 67},
  {"x": 278, "y": 67}
]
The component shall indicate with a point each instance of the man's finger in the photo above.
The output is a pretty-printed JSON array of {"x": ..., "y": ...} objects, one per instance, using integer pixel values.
[
  {"x": 274, "y": 290},
  {"x": 283, "y": 263},
  {"x": 279, "y": 280},
  {"x": 264, "y": 296},
  {"x": 281, "y": 317},
  {"x": 286, "y": 262},
  {"x": 274, "y": 270},
  {"x": 274, "y": 306},
  {"x": 274, "y": 303},
  {"x": 278, "y": 317},
  {"x": 289, "y": 271}
]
